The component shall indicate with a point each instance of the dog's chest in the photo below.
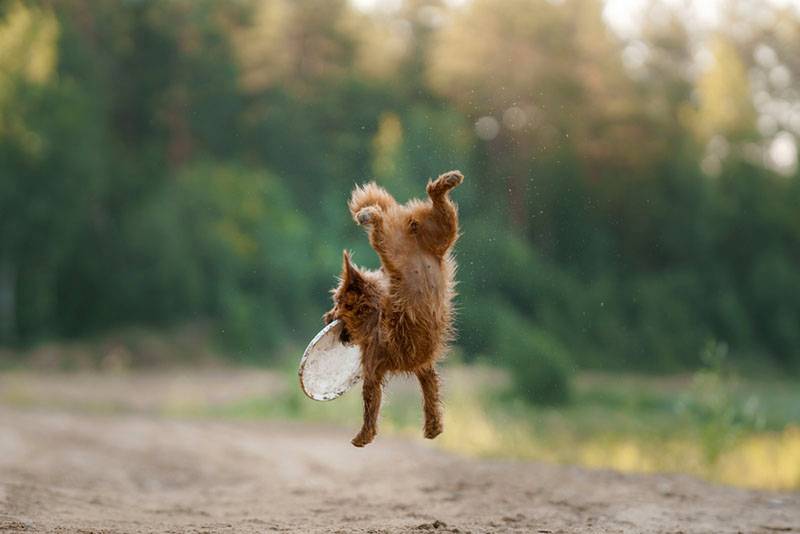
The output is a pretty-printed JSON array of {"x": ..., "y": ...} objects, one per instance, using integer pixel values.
[{"x": 424, "y": 277}]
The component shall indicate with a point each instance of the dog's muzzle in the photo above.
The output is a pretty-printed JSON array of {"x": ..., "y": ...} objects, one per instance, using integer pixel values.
[{"x": 344, "y": 336}]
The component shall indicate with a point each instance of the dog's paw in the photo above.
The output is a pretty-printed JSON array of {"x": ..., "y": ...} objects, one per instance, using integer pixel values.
[
  {"x": 367, "y": 216},
  {"x": 445, "y": 182},
  {"x": 363, "y": 438},
  {"x": 451, "y": 179},
  {"x": 433, "y": 428}
]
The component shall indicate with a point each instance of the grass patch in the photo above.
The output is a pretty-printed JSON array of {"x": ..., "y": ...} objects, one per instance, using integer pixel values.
[{"x": 709, "y": 424}]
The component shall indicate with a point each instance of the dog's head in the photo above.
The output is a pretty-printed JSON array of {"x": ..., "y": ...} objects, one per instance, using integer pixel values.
[{"x": 351, "y": 299}]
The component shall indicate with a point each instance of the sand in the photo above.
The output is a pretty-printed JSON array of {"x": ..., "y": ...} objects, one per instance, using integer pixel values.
[{"x": 77, "y": 470}]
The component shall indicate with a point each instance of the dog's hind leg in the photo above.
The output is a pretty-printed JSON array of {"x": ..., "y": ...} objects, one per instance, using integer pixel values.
[
  {"x": 372, "y": 392},
  {"x": 429, "y": 381},
  {"x": 437, "y": 223}
]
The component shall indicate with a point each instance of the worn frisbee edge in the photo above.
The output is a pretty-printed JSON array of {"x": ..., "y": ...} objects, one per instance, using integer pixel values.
[{"x": 333, "y": 394}]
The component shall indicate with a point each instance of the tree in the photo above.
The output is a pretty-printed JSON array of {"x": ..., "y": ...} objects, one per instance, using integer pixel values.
[{"x": 48, "y": 171}]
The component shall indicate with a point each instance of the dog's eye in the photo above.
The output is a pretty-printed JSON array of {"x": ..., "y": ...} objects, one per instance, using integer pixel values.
[{"x": 350, "y": 301}]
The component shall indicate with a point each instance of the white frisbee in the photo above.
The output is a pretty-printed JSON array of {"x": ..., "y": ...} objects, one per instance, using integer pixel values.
[{"x": 329, "y": 367}]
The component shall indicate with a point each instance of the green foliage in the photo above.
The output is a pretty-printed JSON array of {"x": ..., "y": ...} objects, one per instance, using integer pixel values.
[
  {"x": 717, "y": 416},
  {"x": 225, "y": 242},
  {"x": 540, "y": 367},
  {"x": 168, "y": 162}
]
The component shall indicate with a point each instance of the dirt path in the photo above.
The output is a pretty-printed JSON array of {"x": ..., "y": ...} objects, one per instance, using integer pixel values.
[
  {"x": 66, "y": 465},
  {"x": 67, "y": 472}
]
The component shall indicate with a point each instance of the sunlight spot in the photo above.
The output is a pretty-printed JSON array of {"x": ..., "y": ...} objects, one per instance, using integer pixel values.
[
  {"x": 431, "y": 16},
  {"x": 372, "y": 5},
  {"x": 704, "y": 58},
  {"x": 487, "y": 128},
  {"x": 782, "y": 153},
  {"x": 780, "y": 77},
  {"x": 515, "y": 118},
  {"x": 765, "y": 56},
  {"x": 761, "y": 99},
  {"x": 635, "y": 55}
]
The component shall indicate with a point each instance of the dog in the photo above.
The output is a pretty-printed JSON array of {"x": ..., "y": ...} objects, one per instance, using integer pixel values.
[{"x": 401, "y": 316}]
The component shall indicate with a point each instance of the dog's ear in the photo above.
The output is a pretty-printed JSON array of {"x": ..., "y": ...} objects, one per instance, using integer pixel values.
[{"x": 350, "y": 274}]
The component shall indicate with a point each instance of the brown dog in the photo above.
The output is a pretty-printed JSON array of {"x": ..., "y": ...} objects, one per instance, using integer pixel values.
[{"x": 401, "y": 315}]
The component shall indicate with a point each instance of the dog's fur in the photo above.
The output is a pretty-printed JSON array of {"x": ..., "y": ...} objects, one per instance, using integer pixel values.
[{"x": 401, "y": 315}]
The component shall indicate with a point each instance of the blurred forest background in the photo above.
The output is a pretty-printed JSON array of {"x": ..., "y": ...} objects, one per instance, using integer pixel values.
[
  {"x": 173, "y": 186},
  {"x": 632, "y": 193}
]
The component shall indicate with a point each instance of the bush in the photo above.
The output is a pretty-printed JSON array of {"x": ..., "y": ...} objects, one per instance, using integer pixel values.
[{"x": 540, "y": 366}]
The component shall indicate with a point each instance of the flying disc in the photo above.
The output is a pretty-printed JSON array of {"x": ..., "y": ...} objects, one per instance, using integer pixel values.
[{"x": 329, "y": 367}]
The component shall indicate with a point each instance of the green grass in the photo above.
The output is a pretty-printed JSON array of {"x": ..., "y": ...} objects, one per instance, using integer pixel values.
[{"x": 708, "y": 424}]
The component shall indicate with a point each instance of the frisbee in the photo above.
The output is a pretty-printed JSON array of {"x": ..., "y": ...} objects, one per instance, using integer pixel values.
[{"x": 329, "y": 367}]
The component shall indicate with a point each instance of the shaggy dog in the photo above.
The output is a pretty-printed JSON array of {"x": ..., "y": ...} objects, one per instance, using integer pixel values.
[{"x": 401, "y": 315}]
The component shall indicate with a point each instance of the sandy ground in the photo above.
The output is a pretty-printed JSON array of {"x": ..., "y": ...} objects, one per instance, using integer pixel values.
[{"x": 64, "y": 469}]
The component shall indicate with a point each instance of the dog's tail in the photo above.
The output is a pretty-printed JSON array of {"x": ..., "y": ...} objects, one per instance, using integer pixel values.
[{"x": 370, "y": 194}]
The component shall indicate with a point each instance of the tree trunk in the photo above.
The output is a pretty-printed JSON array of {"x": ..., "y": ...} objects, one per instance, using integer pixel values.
[{"x": 8, "y": 286}]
